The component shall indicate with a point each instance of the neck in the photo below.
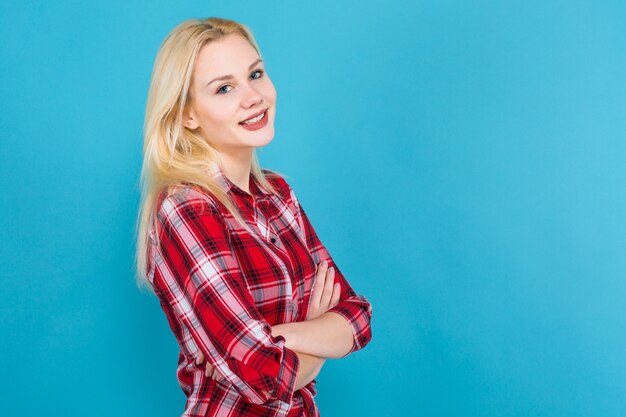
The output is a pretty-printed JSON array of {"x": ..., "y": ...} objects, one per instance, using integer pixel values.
[{"x": 237, "y": 168}]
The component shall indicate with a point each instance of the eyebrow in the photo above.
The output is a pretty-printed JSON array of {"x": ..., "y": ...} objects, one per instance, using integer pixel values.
[{"x": 228, "y": 77}]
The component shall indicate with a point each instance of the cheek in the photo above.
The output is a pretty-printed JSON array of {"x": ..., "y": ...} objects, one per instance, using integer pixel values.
[
  {"x": 217, "y": 114},
  {"x": 269, "y": 91}
]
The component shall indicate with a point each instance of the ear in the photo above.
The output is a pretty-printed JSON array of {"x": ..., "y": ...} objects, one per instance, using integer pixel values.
[{"x": 189, "y": 119}]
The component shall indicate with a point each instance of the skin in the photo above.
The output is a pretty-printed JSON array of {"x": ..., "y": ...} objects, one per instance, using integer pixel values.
[{"x": 215, "y": 110}]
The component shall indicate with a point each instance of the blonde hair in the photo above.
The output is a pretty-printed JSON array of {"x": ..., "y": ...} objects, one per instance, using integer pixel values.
[{"x": 173, "y": 154}]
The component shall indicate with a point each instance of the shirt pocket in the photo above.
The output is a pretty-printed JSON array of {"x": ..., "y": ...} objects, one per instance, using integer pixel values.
[{"x": 267, "y": 277}]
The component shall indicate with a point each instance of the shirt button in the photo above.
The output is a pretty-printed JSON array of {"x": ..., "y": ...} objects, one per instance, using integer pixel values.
[{"x": 273, "y": 240}]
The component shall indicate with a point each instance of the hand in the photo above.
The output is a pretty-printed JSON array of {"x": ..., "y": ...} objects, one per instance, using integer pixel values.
[
  {"x": 324, "y": 295},
  {"x": 210, "y": 370}
]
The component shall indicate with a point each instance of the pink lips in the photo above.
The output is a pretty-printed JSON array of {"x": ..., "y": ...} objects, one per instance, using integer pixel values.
[
  {"x": 253, "y": 116},
  {"x": 258, "y": 125}
]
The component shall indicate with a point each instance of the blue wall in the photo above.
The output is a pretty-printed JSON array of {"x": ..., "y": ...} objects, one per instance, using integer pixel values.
[{"x": 462, "y": 161}]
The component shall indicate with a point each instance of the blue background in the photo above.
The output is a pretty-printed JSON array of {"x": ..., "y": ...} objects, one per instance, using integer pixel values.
[{"x": 462, "y": 161}]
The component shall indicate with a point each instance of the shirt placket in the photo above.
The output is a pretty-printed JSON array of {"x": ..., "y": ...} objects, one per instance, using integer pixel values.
[{"x": 261, "y": 213}]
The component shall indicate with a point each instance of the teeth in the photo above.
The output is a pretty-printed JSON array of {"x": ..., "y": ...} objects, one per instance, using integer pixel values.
[{"x": 254, "y": 119}]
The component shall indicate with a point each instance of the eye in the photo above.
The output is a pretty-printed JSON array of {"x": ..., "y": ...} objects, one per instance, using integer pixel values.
[
  {"x": 222, "y": 91},
  {"x": 260, "y": 74}
]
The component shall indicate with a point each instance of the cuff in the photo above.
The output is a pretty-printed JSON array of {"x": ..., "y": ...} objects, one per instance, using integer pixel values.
[
  {"x": 285, "y": 383},
  {"x": 358, "y": 312}
]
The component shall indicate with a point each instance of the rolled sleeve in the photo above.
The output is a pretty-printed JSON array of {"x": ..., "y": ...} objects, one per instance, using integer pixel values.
[
  {"x": 356, "y": 309},
  {"x": 204, "y": 287}
]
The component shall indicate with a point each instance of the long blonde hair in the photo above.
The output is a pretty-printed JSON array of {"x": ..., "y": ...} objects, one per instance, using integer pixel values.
[{"x": 173, "y": 154}]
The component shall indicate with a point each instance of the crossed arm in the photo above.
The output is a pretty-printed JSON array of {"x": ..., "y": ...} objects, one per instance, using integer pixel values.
[
  {"x": 325, "y": 334},
  {"x": 328, "y": 336},
  {"x": 200, "y": 280},
  {"x": 314, "y": 341}
]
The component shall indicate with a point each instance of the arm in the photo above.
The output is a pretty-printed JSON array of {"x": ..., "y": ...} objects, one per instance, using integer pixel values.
[
  {"x": 354, "y": 309},
  {"x": 310, "y": 367},
  {"x": 203, "y": 285},
  {"x": 328, "y": 336}
]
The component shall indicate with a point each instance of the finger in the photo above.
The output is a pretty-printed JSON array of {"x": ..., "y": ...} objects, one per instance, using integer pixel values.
[
  {"x": 313, "y": 309},
  {"x": 218, "y": 376},
  {"x": 336, "y": 294},
  {"x": 312, "y": 312},
  {"x": 328, "y": 288},
  {"x": 209, "y": 369},
  {"x": 199, "y": 358},
  {"x": 318, "y": 285}
]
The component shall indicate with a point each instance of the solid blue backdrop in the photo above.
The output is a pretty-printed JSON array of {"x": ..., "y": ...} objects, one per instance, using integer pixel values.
[{"x": 462, "y": 161}]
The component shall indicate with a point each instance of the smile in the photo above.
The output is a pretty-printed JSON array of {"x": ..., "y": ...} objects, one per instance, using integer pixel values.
[{"x": 256, "y": 122}]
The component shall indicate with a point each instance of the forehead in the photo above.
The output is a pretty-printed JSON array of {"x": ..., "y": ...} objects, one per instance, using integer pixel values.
[{"x": 231, "y": 54}]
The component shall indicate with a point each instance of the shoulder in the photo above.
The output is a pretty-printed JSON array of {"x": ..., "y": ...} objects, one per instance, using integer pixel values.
[
  {"x": 278, "y": 181},
  {"x": 284, "y": 188},
  {"x": 181, "y": 198}
]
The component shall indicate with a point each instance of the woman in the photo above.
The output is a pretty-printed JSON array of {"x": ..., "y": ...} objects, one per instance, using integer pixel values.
[{"x": 243, "y": 279}]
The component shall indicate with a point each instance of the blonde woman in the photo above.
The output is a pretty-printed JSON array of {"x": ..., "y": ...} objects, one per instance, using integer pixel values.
[{"x": 254, "y": 299}]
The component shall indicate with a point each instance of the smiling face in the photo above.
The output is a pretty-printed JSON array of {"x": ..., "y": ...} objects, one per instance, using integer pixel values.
[{"x": 230, "y": 85}]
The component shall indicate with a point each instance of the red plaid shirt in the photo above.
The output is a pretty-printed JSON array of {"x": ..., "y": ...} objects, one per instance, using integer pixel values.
[{"x": 222, "y": 287}]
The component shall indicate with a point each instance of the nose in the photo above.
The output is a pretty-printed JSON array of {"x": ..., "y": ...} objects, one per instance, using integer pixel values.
[{"x": 251, "y": 97}]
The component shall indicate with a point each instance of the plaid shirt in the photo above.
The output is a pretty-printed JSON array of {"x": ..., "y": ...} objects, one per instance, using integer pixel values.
[{"x": 222, "y": 287}]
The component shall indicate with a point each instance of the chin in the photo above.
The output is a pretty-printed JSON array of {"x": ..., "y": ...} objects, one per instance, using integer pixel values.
[
  {"x": 266, "y": 139},
  {"x": 261, "y": 137}
]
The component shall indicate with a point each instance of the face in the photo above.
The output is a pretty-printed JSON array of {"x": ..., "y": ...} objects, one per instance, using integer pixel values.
[{"x": 229, "y": 86}]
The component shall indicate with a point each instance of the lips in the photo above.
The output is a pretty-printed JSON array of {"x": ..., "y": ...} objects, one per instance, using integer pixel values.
[{"x": 253, "y": 116}]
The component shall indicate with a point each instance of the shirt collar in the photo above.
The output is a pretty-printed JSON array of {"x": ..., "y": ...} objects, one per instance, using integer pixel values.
[{"x": 227, "y": 185}]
